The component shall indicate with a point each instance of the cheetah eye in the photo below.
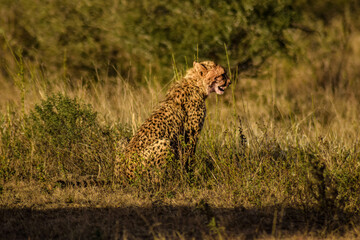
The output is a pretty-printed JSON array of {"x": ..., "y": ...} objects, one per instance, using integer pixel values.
[{"x": 221, "y": 77}]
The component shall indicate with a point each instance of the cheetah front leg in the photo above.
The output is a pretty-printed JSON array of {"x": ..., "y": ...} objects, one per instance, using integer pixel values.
[{"x": 195, "y": 124}]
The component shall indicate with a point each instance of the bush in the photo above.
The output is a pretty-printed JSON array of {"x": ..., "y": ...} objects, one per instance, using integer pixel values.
[
  {"x": 83, "y": 37},
  {"x": 58, "y": 137}
]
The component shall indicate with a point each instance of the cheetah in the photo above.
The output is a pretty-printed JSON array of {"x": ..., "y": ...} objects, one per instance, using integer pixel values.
[{"x": 172, "y": 130}]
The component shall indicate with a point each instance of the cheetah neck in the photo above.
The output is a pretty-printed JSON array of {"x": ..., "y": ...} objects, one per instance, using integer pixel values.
[{"x": 197, "y": 86}]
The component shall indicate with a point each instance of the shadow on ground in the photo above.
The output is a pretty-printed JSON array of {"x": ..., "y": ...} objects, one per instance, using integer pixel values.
[{"x": 162, "y": 221}]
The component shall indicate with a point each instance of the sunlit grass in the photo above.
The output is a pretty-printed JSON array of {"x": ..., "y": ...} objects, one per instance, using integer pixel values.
[{"x": 284, "y": 139}]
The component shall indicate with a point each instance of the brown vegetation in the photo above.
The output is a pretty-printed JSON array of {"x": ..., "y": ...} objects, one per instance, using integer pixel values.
[{"x": 278, "y": 156}]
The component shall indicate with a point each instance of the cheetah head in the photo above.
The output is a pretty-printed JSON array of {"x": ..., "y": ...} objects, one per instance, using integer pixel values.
[{"x": 213, "y": 76}]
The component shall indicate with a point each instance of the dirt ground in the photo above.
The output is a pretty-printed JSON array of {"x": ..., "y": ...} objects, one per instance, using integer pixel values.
[{"x": 29, "y": 212}]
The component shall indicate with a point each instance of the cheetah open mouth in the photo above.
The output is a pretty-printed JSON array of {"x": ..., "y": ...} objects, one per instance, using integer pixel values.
[{"x": 220, "y": 89}]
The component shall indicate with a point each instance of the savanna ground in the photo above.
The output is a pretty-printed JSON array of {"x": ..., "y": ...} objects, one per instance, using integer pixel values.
[{"x": 279, "y": 155}]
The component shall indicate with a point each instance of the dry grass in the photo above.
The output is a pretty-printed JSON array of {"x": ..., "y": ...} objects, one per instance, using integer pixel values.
[{"x": 278, "y": 156}]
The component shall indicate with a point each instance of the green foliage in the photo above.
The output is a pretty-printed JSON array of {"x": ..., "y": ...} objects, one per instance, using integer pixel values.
[
  {"x": 59, "y": 137},
  {"x": 250, "y": 29},
  {"x": 85, "y": 36},
  {"x": 327, "y": 10},
  {"x": 62, "y": 130}
]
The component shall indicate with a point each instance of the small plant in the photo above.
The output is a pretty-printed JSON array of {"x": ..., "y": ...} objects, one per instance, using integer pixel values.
[
  {"x": 67, "y": 137},
  {"x": 59, "y": 137}
]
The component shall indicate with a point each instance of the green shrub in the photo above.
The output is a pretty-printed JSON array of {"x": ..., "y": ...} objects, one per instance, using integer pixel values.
[
  {"x": 83, "y": 37},
  {"x": 135, "y": 38},
  {"x": 58, "y": 137}
]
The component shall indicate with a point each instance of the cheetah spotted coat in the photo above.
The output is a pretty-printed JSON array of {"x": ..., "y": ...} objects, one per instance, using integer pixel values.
[{"x": 172, "y": 131}]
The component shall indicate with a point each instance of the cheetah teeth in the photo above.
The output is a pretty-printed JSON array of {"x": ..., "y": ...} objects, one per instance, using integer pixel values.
[{"x": 221, "y": 89}]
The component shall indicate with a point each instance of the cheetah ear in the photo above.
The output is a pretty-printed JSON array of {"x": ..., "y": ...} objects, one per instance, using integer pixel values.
[{"x": 200, "y": 68}]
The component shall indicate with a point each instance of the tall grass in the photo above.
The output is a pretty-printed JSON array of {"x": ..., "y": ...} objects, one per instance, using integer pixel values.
[{"x": 286, "y": 136}]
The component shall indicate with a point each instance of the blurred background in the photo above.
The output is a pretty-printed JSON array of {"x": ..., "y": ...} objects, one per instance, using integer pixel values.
[{"x": 85, "y": 39}]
